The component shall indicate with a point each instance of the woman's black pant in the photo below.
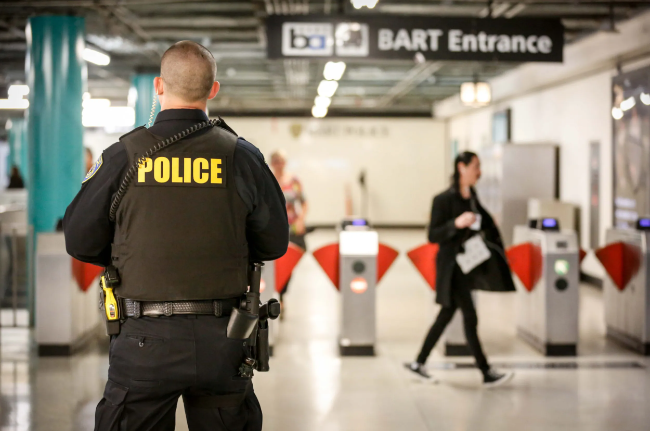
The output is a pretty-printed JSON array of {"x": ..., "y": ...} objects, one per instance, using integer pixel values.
[{"x": 461, "y": 297}]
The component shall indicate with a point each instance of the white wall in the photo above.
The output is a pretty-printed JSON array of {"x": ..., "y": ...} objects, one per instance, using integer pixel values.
[{"x": 405, "y": 162}]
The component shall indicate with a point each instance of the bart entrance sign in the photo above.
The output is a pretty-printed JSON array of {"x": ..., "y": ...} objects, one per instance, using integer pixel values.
[{"x": 401, "y": 37}]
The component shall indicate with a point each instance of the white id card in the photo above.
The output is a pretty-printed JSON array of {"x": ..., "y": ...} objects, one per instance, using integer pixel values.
[
  {"x": 477, "y": 223},
  {"x": 476, "y": 252}
]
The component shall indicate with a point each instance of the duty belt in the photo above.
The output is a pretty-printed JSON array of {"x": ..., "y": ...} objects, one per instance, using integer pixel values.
[{"x": 220, "y": 307}]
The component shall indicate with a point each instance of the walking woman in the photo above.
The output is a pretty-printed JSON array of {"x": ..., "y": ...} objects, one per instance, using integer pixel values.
[
  {"x": 296, "y": 205},
  {"x": 470, "y": 257}
]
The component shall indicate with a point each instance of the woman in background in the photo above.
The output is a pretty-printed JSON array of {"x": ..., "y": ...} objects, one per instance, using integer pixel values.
[
  {"x": 457, "y": 216},
  {"x": 296, "y": 204},
  {"x": 15, "y": 179}
]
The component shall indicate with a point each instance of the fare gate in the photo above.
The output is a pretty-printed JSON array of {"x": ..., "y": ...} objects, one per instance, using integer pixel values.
[
  {"x": 626, "y": 289},
  {"x": 275, "y": 275},
  {"x": 546, "y": 262},
  {"x": 355, "y": 265}
]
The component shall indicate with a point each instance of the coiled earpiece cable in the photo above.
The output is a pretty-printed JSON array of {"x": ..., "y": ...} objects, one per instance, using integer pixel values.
[{"x": 153, "y": 111}]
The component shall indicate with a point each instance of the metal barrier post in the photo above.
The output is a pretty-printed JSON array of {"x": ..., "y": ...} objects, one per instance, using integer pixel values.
[{"x": 14, "y": 275}]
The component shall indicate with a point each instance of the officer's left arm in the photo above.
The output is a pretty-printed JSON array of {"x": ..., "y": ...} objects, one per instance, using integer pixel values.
[
  {"x": 267, "y": 227},
  {"x": 88, "y": 230}
]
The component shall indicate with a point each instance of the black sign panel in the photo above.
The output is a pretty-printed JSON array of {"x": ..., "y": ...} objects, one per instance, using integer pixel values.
[{"x": 401, "y": 37}]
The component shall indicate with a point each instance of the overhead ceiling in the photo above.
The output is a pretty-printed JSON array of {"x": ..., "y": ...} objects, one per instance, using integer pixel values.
[{"x": 136, "y": 32}]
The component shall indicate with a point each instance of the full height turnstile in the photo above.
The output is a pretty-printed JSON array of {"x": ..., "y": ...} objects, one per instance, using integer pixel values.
[
  {"x": 355, "y": 265},
  {"x": 546, "y": 262},
  {"x": 626, "y": 288}
]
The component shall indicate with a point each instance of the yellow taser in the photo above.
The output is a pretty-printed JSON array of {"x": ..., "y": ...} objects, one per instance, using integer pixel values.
[{"x": 110, "y": 303}]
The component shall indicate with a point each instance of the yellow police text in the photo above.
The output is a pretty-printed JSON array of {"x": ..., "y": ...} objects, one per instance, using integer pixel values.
[{"x": 194, "y": 170}]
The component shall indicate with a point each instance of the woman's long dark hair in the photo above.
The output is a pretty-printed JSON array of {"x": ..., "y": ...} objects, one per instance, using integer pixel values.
[{"x": 465, "y": 158}]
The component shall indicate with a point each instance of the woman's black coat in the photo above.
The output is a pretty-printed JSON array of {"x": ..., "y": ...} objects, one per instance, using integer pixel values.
[{"x": 493, "y": 275}]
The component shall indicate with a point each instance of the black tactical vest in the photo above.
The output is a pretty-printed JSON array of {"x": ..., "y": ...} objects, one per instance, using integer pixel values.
[{"x": 181, "y": 227}]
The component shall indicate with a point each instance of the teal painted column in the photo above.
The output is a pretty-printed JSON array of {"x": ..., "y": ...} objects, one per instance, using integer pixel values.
[
  {"x": 142, "y": 96},
  {"x": 56, "y": 75},
  {"x": 18, "y": 147}
]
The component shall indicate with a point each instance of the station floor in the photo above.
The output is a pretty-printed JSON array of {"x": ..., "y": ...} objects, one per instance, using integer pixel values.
[{"x": 310, "y": 387}]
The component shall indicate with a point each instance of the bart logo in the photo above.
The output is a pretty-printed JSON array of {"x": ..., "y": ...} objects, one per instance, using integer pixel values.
[{"x": 193, "y": 171}]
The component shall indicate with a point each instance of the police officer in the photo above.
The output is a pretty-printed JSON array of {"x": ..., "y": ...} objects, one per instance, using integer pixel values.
[{"x": 192, "y": 205}]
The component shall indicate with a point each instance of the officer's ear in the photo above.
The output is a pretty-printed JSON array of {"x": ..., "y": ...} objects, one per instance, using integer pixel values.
[
  {"x": 158, "y": 85},
  {"x": 215, "y": 89}
]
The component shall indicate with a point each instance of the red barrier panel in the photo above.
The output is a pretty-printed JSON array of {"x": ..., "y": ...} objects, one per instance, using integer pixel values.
[
  {"x": 85, "y": 273},
  {"x": 622, "y": 262},
  {"x": 328, "y": 259},
  {"x": 424, "y": 259},
  {"x": 581, "y": 255},
  {"x": 285, "y": 265},
  {"x": 385, "y": 259},
  {"x": 526, "y": 262}
]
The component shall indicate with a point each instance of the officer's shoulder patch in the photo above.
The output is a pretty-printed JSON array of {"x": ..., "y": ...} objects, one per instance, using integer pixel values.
[{"x": 98, "y": 164}]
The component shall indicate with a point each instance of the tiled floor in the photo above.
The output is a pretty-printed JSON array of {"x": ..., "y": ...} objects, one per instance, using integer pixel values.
[{"x": 311, "y": 388}]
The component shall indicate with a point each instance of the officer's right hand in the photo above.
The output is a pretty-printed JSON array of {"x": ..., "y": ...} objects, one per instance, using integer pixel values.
[{"x": 465, "y": 220}]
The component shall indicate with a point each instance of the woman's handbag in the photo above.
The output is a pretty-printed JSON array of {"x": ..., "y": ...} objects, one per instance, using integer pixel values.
[{"x": 476, "y": 252}]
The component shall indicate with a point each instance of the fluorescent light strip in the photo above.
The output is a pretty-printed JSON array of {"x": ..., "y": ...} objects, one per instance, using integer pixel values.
[
  {"x": 319, "y": 111},
  {"x": 14, "y": 103},
  {"x": 645, "y": 98},
  {"x": 114, "y": 116},
  {"x": 515, "y": 10},
  {"x": 327, "y": 88},
  {"x": 96, "y": 57},
  {"x": 334, "y": 70},
  {"x": 323, "y": 102},
  {"x": 628, "y": 103},
  {"x": 499, "y": 9},
  {"x": 18, "y": 91}
]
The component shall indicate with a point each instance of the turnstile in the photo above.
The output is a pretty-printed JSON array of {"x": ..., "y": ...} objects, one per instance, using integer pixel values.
[
  {"x": 546, "y": 262},
  {"x": 358, "y": 269},
  {"x": 626, "y": 289},
  {"x": 355, "y": 265},
  {"x": 67, "y": 295},
  {"x": 275, "y": 275}
]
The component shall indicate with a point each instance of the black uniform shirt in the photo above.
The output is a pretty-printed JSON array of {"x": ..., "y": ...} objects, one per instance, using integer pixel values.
[{"x": 89, "y": 232}]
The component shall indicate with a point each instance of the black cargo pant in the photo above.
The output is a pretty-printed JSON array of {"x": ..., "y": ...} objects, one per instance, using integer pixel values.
[
  {"x": 154, "y": 361},
  {"x": 461, "y": 297}
]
